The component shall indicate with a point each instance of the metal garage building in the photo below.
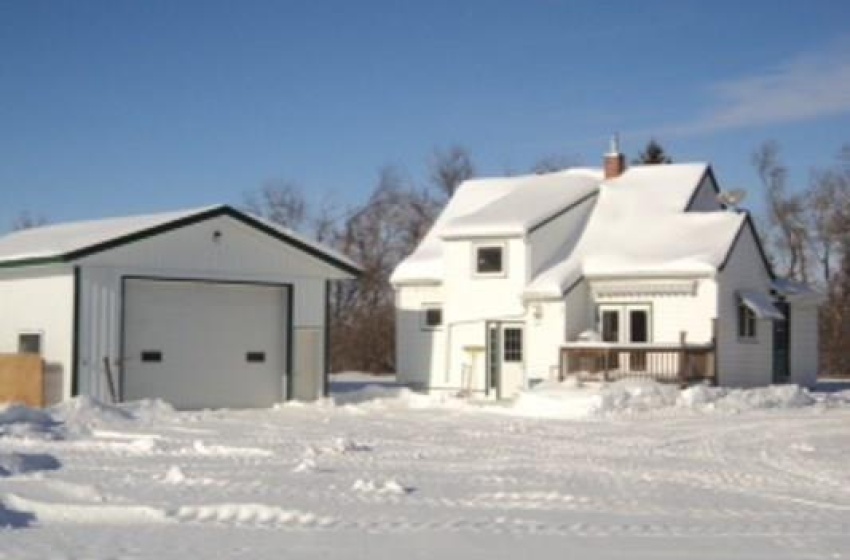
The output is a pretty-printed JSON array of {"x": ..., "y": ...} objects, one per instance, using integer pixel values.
[{"x": 202, "y": 308}]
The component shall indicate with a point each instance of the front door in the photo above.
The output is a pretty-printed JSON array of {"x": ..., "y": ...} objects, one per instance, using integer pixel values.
[
  {"x": 505, "y": 359},
  {"x": 781, "y": 346}
]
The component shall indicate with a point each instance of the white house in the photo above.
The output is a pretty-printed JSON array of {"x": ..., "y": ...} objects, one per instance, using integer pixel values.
[
  {"x": 203, "y": 308},
  {"x": 639, "y": 262}
]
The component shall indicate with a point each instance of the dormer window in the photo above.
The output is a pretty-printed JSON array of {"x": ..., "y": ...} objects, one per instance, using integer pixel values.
[{"x": 489, "y": 260}]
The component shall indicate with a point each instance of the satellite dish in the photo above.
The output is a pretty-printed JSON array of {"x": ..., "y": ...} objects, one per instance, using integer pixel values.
[{"x": 732, "y": 198}]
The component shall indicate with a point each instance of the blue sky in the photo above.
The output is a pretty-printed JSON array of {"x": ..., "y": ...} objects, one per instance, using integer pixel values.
[{"x": 122, "y": 107}]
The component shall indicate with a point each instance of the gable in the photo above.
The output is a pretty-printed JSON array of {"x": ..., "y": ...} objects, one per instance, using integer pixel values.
[
  {"x": 73, "y": 242},
  {"x": 748, "y": 241},
  {"x": 704, "y": 198},
  {"x": 219, "y": 243}
]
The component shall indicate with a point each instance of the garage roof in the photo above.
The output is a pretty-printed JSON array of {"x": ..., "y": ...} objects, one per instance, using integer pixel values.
[{"x": 72, "y": 241}]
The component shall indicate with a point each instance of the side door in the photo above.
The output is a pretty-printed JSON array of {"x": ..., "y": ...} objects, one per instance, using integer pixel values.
[{"x": 505, "y": 358}]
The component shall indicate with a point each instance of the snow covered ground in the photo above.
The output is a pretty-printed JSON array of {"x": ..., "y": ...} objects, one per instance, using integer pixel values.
[{"x": 627, "y": 471}]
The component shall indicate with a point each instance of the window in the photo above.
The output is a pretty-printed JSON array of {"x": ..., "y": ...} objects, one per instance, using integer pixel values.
[
  {"x": 638, "y": 325},
  {"x": 746, "y": 322},
  {"x": 488, "y": 259},
  {"x": 513, "y": 345},
  {"x": 433, "y": 317},
  {"x": 29, "y": 343},
  {"x": 610, "y": 325}
]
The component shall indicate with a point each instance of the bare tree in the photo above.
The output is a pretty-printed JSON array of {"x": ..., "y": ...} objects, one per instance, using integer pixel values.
[
  {"x": 552, "y": 163},
  {"x": 786, "y": 213},
  {"x": 828, "y": 205},
  {"x": 378, "y": 235},
  {"x": 26, "y": 220},
  {"x": 449, "y": 168},
  {"x": 281, "y": 202}
]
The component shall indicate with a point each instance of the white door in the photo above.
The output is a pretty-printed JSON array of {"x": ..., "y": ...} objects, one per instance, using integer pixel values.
[
  {"x": 505, "y": 359},
  {"x": 204, "y": 345}
]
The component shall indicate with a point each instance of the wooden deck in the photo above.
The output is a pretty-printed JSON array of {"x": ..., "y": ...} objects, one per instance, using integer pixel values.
[{"x": 684, "y": 364}]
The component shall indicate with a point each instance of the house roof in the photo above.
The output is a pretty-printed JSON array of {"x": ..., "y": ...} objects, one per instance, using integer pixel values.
[
  {"x": 71, "y": 241},
  {"x": 490, "y": 207},
  {"x": 639, "y": 227},
  {"x": 761, "y": 304},
  {"x": 531, "y": 200}
]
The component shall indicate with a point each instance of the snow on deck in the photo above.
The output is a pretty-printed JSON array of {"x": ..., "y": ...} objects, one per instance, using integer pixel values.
[{"x": 385, "y": 473}]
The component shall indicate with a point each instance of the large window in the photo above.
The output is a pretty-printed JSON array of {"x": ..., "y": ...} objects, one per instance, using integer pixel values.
[
  {"x": 513, "y": 345},
  {"x": 746, "y": 322},
  {"x": 489, "y": 259}
]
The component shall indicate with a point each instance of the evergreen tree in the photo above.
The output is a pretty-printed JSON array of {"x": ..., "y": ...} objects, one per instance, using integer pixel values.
[{"x": 653, "y": 154}]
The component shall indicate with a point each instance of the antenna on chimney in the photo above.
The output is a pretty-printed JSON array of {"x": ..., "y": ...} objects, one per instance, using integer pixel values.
[{"x": 614, "y": 145}]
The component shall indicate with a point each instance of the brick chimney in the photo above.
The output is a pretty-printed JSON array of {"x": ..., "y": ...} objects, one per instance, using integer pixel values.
[{"x": 615, "y": 162}]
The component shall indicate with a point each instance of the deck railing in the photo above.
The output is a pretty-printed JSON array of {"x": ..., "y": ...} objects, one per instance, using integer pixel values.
[{"x": 680, "y": 363}]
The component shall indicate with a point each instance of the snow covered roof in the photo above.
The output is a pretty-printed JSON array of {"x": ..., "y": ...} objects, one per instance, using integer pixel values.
[
  {"x": 531, "y": 200},
  {"x": 639, "y": 227},
  {"x": 761, "y": 304},
  {"x": 70, "y": 241},
  {"x": 501, "y": 206},
  {"x": 797, "y": 291}
]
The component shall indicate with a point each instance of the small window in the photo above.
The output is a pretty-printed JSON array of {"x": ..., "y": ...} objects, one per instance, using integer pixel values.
[
  {"x": 488, "y": 260},
  {"x": 433, "y": 317},
  {"x": 513, "y": 345},
  {"x": 29, "y": 343},
  {"x": 746, "y": 322}
]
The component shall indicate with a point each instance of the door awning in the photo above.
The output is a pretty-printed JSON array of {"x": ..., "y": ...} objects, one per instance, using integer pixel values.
[{"x": 761, "y": 304}]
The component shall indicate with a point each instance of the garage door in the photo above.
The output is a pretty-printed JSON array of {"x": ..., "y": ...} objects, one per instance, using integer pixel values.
[{"x": 204, "y": 345}]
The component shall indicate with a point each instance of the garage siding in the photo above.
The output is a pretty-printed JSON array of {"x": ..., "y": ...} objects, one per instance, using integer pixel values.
[
  {"x": 241, "y": 254},
  {"x": 41, "y": 301}
]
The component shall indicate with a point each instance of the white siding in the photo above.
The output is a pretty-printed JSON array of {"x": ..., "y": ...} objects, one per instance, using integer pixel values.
[
  {"x": 545, "y": 332},
  {"x": 241, "y": 254},
  {"x": 238, "y": 249},
  {"x": 705, "y": 198},
  {"x": 419, "y": 351},
  {"x": 804, "y": 344},
  {"x": 743, "y": 363},
  {"x": 41, "y": 300},
  {"x": 673, "y": 313},
  {"x": 554, "y": 241},
  {"x": 579, "y": 311},
  {"x": 471, "y": 300}
]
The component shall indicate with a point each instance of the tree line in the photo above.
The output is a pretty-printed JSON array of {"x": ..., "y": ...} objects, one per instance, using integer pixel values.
[
  {"x": 807, "y": 234},
  {"x": 806, "y": 230}
]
